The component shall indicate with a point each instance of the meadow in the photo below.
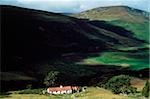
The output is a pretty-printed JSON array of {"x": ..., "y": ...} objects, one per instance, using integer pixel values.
[{"x": 89, "y": 93}]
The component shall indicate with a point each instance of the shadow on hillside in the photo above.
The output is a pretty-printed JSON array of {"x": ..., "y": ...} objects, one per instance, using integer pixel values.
[{"x": 115, "y": 29}]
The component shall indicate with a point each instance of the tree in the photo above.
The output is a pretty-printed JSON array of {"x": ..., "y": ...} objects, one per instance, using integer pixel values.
[
  {"x": 146, "y": 89},
  {"x": 51, "y": 78},
  {"x": 120, "y": 84}
]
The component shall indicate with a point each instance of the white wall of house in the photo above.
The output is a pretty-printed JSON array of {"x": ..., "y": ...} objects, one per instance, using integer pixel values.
[
  {"x": 60, "y": 92},
  {"x": 54, "y": 92},
  {"x": 48, "y": 91}
]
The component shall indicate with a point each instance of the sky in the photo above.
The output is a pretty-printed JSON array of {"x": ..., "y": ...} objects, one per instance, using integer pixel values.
[{"x": 75, "y": 6}]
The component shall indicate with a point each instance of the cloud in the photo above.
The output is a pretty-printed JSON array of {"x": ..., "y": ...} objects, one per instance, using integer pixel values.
[
  {"x": 139, "y": 4},
  {"x": 73, "y": 5}
]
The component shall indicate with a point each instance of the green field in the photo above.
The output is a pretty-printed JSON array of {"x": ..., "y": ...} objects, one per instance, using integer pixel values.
[{"x": 132, "y": 60}]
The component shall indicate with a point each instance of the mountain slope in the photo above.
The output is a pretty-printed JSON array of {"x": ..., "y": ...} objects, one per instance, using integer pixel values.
[
  {"x": 29, "y": 35},
  {"x": 131, "y": 19},
  {"x": 35, "y": 42}
]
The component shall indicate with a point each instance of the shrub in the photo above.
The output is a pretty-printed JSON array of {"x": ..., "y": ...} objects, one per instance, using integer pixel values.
[
  {"x": 51, "y": 78},
  {"x": 120, "y": 84},
  {"x": 146, "y": 89}
]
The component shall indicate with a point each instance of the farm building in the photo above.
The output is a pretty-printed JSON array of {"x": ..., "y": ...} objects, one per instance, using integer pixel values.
[{"x": 62, "y": 90}]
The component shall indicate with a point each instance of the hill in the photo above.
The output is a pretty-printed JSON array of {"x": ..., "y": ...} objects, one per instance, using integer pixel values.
[
  {"x": 35, "y": 42},
  {"x": 29, "y": 35},
  {"x": 134, "y": 20}
]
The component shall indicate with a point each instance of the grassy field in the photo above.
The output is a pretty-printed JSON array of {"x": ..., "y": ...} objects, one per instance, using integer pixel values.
[
  {"x": 133, "y": 60},
  {"x": 89, "y": 93}
]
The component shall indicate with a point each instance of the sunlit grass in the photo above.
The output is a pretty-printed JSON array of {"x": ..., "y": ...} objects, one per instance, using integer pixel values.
[{"x": 132, "y": 60}]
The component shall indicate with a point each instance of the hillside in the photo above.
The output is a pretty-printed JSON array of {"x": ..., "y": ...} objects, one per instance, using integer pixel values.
[
  {"x": 29, "y": 35},
  {"x": 35, "y": 42},
  {"x": 134, "y": 20}
]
